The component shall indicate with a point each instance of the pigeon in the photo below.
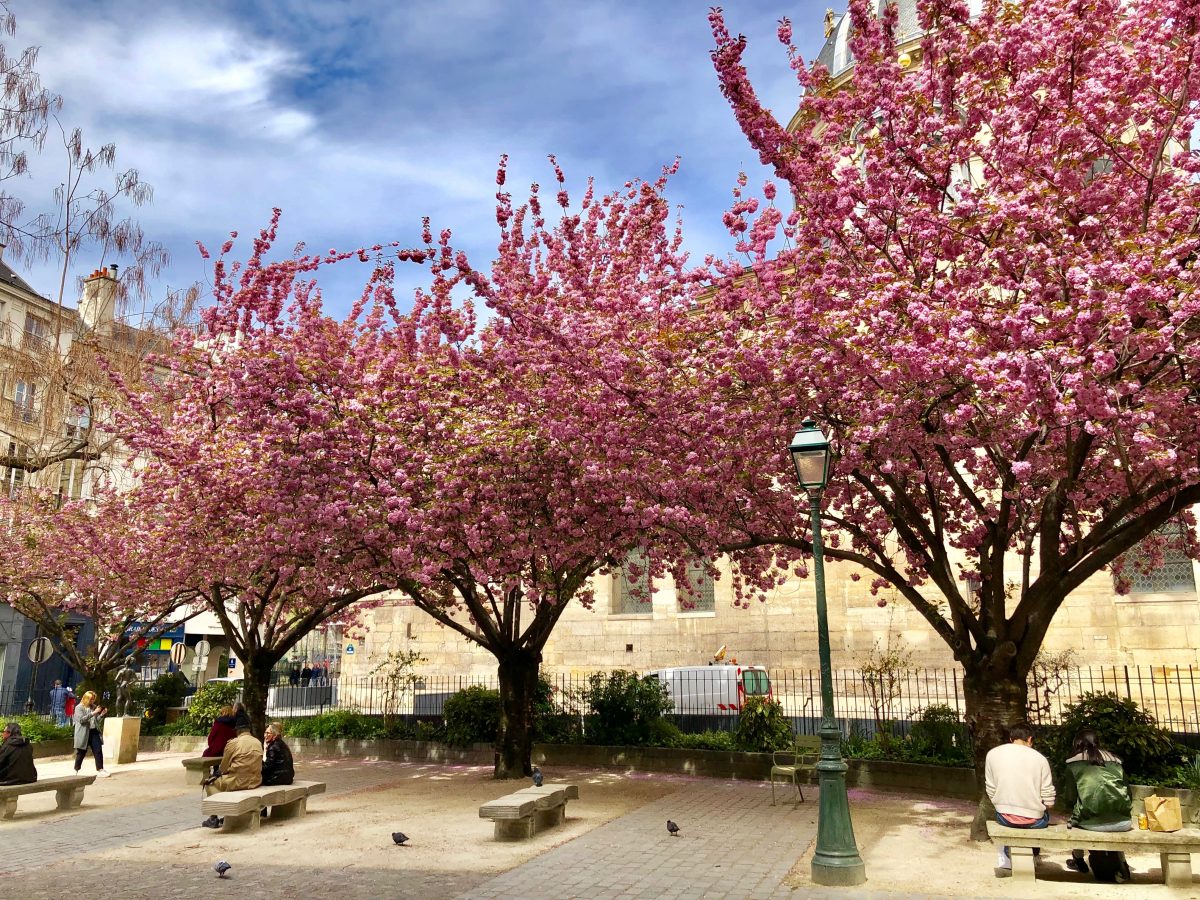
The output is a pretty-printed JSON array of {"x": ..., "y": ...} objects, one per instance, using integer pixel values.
[
  {"x": 672, "y": 828},
  {"x": 399, "y": 837},
  {"x": 221, "y": 868},
  {"x": 537, "y": 777}
]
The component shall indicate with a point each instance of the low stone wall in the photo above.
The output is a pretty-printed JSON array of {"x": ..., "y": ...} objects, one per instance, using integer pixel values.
[{"x": 53, "y": 748}]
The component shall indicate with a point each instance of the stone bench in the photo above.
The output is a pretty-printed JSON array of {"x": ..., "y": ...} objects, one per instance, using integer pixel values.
[
  {"x": 197, "y": 768},
  {"x": 1175, "y": 848},
  {"x": 243, "y": 809},
  {"x": 523, "y": 813},
  {"x": 68, "y": 792}
]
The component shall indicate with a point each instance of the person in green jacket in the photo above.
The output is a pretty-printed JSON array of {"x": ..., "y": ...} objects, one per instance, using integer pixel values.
[{"x": 1102, "y": 797}]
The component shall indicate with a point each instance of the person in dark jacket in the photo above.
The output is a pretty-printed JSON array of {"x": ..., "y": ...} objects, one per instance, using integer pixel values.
[
  {"x": 223, "y": 730},
  {"x": 16, "y": 757},
  {"x": 277, "y": 766},
  {"x": 1102, "y": 797}
]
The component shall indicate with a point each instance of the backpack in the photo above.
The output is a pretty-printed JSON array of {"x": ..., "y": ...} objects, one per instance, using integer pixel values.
[
  {"x": 69, "y": 707},
  {"x": 1105, "y": 864}
]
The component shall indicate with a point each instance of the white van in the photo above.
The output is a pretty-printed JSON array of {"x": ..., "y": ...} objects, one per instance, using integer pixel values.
[{"x": 713, "y": 690}]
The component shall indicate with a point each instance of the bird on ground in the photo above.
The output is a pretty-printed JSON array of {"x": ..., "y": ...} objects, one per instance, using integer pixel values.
[
  {"x": 537, "y": 777},
  {"x": 672, "y": 828},
  {"x": 221, "y": 868},
  {"x": 399, "y": 837}
]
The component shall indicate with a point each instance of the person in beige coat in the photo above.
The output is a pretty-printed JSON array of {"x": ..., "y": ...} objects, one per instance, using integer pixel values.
[{"x": 241, "y": 766}]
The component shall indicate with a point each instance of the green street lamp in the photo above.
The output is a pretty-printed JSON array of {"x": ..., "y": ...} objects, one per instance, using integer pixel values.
[{"x": 836, "y": 860}]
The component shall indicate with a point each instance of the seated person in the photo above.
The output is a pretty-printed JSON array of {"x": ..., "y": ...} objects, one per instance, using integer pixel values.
[
  {"x": 1102, "y": 797},
  {"x": 223, "y": 730},
  {"x": 1018, "y": 782},
  {"x": 16, "y": 757},
  {"x": 277, "y": 766},
  {"x": 241, "y": 765}
]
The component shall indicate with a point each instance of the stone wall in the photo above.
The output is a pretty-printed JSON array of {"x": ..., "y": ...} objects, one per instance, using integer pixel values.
[{"x": 780, "y": 632}]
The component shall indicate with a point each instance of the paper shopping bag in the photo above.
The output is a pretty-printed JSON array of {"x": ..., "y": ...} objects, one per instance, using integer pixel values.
[{"x": 1163, "y": 813}]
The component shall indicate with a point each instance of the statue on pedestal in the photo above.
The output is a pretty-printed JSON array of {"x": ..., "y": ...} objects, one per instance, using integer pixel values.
[{"x": 126, "y": 677}]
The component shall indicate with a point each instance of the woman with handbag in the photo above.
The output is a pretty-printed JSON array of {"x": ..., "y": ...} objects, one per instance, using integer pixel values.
[{"x": 1102, "y": 804}]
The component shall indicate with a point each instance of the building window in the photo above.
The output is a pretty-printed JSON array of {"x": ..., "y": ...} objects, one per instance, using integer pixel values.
[
  {"x": 698, "y": 593},
  {"x": 25, "y": 401},
  {"x": 631, "y": 591},
  {"x": 1174, "y": 575},
  {"x": 78, "y": 420},
  {"x": 70, "y": 482},
  {"x": 37, "y": 332},
  {"x": 14, "y": 476}
]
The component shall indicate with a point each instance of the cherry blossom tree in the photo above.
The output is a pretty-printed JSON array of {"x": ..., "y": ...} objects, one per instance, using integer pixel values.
[
  {"x": 99, "y": 564},
  {"x": 502, "y": 457},
  {"x": 253, "y": 459},
  {"x": 986, "y": 293}
]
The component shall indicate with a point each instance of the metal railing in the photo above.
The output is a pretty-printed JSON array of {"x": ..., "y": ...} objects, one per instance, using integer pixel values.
[{"x": 1170, "y": 694}]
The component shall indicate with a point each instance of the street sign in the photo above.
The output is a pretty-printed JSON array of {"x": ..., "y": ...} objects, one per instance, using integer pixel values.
[
  {"x": 202, "y": 647},
  {"x": 232, "y": 663},
  {"x": 40, "y": 650},
  {"x": 350, "y": 649},
  {"x": 178, "y": 652},
  {"x": 199, "y": 663}
]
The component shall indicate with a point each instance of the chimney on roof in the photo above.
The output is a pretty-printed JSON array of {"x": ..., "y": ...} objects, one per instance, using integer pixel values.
[
  {"x": 96, "y": 305},
  {"x": 2, "y": 246}
]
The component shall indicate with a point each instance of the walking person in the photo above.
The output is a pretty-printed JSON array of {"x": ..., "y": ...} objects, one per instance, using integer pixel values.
[
  {"x": 1018, "y": 782},
  {"x": 58, "y": 702},
  {"x": 88, "y": 721},
  {"x": 1102, "y": 804}
]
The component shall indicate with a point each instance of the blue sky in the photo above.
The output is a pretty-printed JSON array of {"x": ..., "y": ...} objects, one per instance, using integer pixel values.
[{"x": 359, "y": 118}]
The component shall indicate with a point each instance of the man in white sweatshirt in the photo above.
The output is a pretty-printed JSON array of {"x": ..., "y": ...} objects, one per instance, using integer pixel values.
[{"x": 1018, "y": 782}]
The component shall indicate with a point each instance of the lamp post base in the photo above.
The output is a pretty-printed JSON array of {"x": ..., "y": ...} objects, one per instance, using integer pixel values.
[
  {"x": 836, "y": 861},
  {"x": 839, "y": 876}
]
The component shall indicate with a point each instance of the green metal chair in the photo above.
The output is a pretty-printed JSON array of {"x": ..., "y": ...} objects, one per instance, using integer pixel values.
[{"x": 788, "y": 765}]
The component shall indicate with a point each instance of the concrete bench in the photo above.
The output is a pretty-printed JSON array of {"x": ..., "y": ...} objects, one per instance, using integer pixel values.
[
  {"x": 1175, "y": 848},
  {"x": 523, "y": 813},
  {"x": 243, "y": 809},
  {"x": 68, "y": 792},
  {"x": 197, "y": 768}
]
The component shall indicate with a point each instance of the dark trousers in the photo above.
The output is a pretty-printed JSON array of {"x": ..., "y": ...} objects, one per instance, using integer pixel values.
[{"x": 97, "y": 750}]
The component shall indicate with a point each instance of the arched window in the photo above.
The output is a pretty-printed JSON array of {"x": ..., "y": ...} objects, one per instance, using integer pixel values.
[
  {"x": 698, "y": 593},
  {"x": 631, "y": 588}
]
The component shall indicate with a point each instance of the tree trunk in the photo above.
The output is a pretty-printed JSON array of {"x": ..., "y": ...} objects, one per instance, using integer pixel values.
[
  {"x": 994, "y": 700},
  {"x": 518, "y": 672},
  {"x": 256, "y": 679}
]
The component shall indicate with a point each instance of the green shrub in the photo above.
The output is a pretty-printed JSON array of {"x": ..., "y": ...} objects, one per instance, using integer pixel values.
[
  {"x": 208, "y": 700},
  {"x": 1148, "y": 751},
  {"x": 857, "y": 746},
  {"x": 624, "y": 708},
  {"x": 164, "y": 692},
  {"x": 552, "y": 723},
  {"x": 184, "y": 726},
  {"x": 762, "y": 726},
  {"x": 472, "y": 716},
  {"x": 37, "y": 729},
  {"x": 707, "y": 740},
  {"x": 348, "y": 724},
  {"x": 939, "y": 735}
]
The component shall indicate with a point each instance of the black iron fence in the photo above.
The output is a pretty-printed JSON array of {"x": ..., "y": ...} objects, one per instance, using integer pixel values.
[
  {"x": 702, "y": 701},
  {"x": 705, "y": 701}
]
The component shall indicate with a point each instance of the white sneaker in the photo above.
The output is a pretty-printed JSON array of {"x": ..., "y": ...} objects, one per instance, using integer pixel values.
[{"x": 101, "y": 773}]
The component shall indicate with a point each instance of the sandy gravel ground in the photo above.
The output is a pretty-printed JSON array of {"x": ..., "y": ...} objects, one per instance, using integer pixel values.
[{"x": 911, "y": 844}]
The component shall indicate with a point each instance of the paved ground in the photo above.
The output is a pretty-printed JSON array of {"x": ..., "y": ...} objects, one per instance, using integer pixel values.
[{"x": 137, "y": 836}]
